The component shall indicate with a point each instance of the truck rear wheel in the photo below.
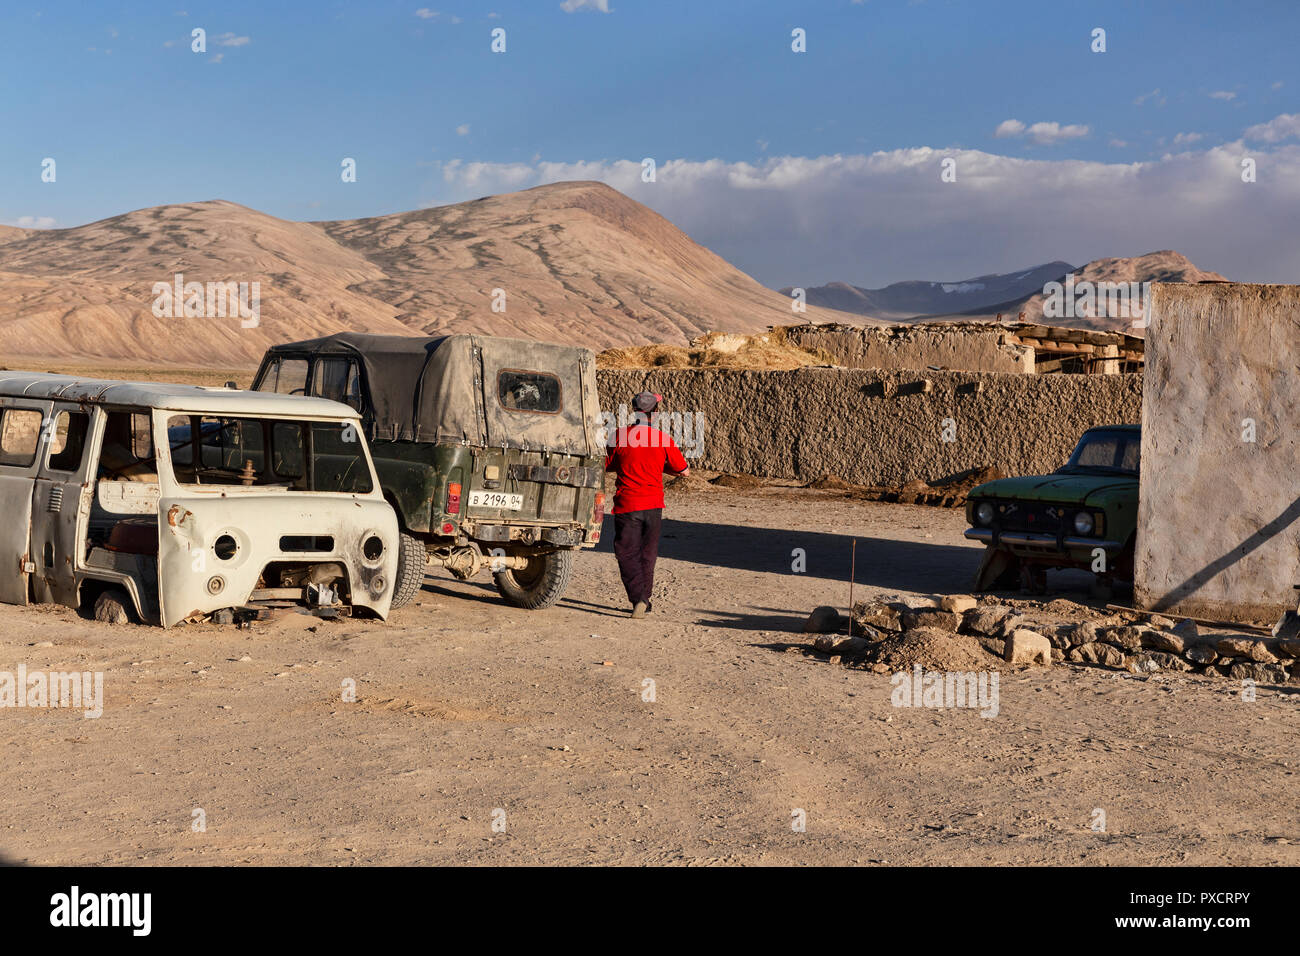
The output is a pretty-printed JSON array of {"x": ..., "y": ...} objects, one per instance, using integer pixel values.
[
  {"x": 411, "y": 561},
  {"x": 539, "y": 585}
]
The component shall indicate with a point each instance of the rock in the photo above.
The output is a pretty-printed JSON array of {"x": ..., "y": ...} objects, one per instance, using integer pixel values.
[
  {"x": 1234, "y": 646},
  {"x": 1289, "y": 648},
  {"x": 1187, "y": 630},
  {"x": 853, "y": 646},
  {"x": 1161, "y": 660},
  {"x": 823, "y": 620},
  {"x": 110, "y": 608},
  {"x": 1010, "y": 624},
  {"x": 1097, "y": 653},
  {"x": 1155, "y": 620},
  {"x": 994, "y": 645},
  {"x": 1084, "y": 633},
  {"x": 1127, "y": 638},
  {"x": 878, "y": 614},
  {"x": 1027, "y": 647},
  {"x": 930, "y": 617},
  {"x": 1058, "y": 635},
  {"x": 1201, "y": 654},
  {"x": 957, "y": 603},
  {"x": 985, "y": 620},
  {"x": 1058, "y": 655},
  {"x": 1247, "y": 647},
  {"x": 1260, "y": 673},
  {"x": 1162, "y": 641}
]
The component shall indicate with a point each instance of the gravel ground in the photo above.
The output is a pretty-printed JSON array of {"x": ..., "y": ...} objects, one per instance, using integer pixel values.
[{"x": 485, "y": 734}]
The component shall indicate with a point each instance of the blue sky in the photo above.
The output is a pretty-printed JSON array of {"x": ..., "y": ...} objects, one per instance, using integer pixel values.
[{"x": 745, "y": 131}]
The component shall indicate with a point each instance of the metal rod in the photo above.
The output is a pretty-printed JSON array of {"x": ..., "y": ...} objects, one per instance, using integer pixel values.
[{"x": 853, "y": 570}]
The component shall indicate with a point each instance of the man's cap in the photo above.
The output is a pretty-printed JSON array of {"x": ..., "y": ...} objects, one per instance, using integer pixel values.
[{"x": 646, "y": 401}]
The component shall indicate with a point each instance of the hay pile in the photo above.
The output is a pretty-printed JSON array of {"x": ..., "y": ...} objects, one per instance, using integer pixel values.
[{"x": 769, "y": 351}]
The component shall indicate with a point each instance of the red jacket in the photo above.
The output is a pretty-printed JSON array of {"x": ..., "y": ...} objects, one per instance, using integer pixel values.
[{"x": 641, "y": 454}]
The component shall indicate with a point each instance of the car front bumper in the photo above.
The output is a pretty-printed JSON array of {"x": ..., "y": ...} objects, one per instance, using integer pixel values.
[{"x": 1035, "y": 542}]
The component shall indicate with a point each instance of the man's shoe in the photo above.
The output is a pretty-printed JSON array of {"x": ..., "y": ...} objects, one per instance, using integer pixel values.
[
  {"x": 639, "y": 609},
  {"x": 648, "y": 606}
]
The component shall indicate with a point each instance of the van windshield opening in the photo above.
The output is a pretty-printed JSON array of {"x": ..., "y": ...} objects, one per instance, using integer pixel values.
[{"x": 268, "y": 453}]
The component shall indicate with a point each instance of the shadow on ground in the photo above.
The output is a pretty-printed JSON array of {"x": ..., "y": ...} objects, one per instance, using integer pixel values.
[{"x": 881, "y": 562}]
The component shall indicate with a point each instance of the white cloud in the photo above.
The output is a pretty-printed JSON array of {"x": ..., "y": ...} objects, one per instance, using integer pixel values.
[
  {"x": 424, "y": 13},
  {"x": 1277, "y": 85},
  {"x": 571, "y": 6},
  {"x": 1044, "y": 134},
  {"x": 1284, "y": 126},
  {"x": 1186, "y": 139},
  {"x": 1224, "y": 95},
  {"x": 1153, "y": 95},
  {"x": 1119, "y": 143},
  {"x": 462, "y": 129},
  {"x": 33, "y": 222},
  {"x": 216, "y": 58},
  {"x": 230, "y": 39},
  {"x": 793, "y": 220}
]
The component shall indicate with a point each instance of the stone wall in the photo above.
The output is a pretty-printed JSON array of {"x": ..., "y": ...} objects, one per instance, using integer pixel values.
[
  {"x": 1218, "y": 534},
  {"x": 976, "y": 349},
  {"x": 877, "y": 427}
]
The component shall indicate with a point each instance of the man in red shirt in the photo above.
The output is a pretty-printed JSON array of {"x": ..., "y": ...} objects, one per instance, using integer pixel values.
[{"x": 641, "y": 454}]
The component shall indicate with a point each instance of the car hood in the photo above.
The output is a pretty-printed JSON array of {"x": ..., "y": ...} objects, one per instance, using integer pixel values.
[{"x": 1071, "y": 488}]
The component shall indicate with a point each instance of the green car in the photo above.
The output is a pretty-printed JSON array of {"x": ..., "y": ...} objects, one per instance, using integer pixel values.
[
  {"x": 1082, "y": 516},
  {"x": 490, "y": 449}
]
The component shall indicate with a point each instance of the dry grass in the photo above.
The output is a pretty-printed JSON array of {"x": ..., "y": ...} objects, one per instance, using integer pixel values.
[{"x": 768, "y": 351}]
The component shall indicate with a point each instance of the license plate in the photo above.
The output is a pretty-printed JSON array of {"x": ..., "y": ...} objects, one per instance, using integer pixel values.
[{"x": 495, "y": 499}]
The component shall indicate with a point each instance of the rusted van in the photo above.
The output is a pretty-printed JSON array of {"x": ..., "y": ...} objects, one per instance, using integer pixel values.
[{"x": 171, "y": 503}]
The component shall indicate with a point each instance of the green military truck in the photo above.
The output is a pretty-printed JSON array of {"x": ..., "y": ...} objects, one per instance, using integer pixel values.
[{"x": 490, "y": 450}]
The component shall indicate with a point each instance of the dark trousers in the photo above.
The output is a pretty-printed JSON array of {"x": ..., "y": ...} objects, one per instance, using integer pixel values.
[{"x": 636, "y": 545}]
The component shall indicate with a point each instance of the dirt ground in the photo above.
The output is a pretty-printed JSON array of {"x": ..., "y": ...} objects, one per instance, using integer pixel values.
[{"x": 467, "y": 707}]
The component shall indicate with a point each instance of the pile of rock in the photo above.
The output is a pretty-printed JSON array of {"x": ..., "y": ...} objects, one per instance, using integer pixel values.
[{"x": 1060, "y": 631}]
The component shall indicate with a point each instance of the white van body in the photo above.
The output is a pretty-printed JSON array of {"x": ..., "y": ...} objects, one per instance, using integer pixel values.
[{"x": 190, "y": 499}]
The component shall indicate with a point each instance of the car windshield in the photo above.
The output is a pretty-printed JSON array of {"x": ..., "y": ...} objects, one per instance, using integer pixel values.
[
  {"x": 1106, "y": 453},
  {"x": 268, "y": 453}
]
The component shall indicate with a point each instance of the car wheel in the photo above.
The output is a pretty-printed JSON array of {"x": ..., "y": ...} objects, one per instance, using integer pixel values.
[
  {"x": 412, "y": 559},
  {"x": 538, "y": 585}
]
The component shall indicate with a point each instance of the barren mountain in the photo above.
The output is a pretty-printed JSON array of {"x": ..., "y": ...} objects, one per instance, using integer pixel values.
[
  {"x": 577, "y": 262},
  {"x": 1164, "y": 266},
  {"x": 900, "y": 301}
]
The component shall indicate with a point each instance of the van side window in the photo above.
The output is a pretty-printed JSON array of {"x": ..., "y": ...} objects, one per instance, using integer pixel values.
[
  {"x": 337, "y": 380},
  {"x": 127, "y": 453},
  {"x": 68, "y": 440},
  {"x": 20, "y": 434},
  {"x": 286, "y": 376}
]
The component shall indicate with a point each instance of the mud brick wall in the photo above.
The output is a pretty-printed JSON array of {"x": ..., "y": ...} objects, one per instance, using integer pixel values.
[
  {"x": 879, "y": 427},
  {"x": 908, "y": 347},
  {"x": 1218, "y": 534}
]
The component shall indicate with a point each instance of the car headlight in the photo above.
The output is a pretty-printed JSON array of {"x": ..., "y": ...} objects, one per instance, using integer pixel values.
[
  {"x": 1083, "y": 523},
  {"x": 984, "y": 512}
]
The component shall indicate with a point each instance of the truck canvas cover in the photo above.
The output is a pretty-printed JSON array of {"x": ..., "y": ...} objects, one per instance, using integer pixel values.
[{"x": 450, "y": 389}]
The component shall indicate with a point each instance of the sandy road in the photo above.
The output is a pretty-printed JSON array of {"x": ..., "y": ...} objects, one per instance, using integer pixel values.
[{"x": 466, "y": 706}]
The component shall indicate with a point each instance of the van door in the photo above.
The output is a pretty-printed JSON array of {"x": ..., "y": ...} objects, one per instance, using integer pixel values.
[
  {"x": 60, "y": 506},
  {"x": 21, "y": 428}
]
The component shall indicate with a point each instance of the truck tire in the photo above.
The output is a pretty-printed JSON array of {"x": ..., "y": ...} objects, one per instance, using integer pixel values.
[
  {"x": 541, "y": 584},
  {"x": 411, "y": 562}
]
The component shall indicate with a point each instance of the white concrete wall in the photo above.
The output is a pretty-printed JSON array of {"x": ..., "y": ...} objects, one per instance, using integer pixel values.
[{"x": 1219, "y": 517}]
